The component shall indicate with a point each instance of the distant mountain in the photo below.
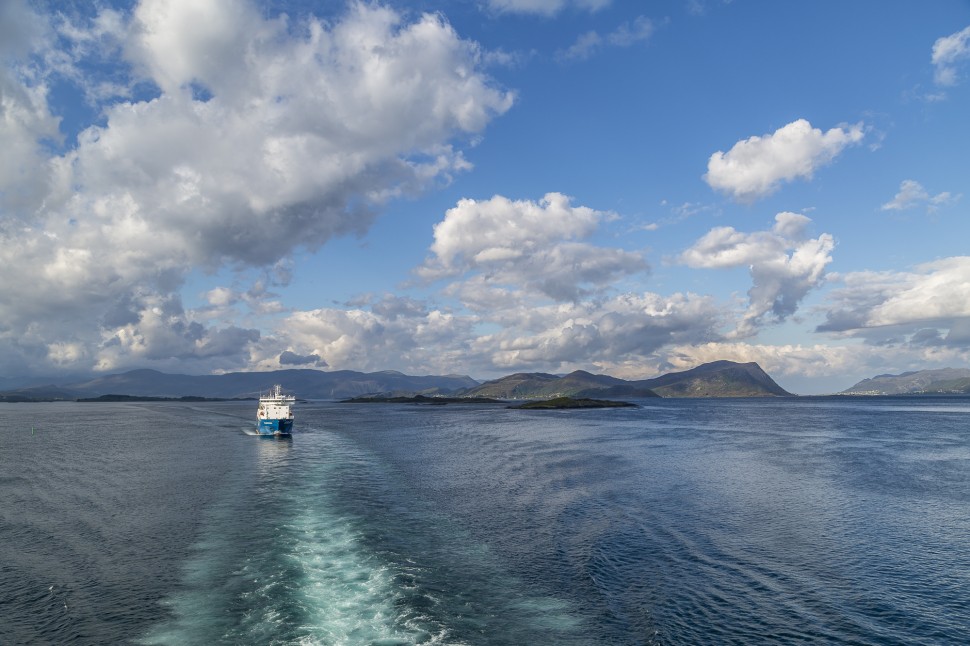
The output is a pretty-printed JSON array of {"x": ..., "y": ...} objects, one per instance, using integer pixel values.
[
  {"x": 521, "y": 385},
  {"x": 309, "y": 384},
  {"x": 539, "y": 385},
  {"x": 717, "y": 379},
  {"x": 38, "y": 393},
  {"x": 945, "y": 380}
]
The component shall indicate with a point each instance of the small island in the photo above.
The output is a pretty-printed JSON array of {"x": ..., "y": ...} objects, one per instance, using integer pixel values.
[
  {"x": 419, "y": 399},
  {"x": 145, "y": 398},
  {"x": 557, "y": 403}
]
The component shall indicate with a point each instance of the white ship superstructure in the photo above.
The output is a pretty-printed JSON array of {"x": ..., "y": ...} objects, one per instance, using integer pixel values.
[{"x": 275, "y": 413}]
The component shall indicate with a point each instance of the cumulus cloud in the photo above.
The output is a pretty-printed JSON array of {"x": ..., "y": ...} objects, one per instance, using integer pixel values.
[
  {"x": 256, "y": 136},
  {"x": 363, "y": 339},
  {"x": 300, "y": 135},
  {"x": 784, "y": 265},
  {"x": 501, "y": 326},
  {"x": 912, "y": 195},
  {"x": 755, "y": 167},
  {"x": 537, "y": 246},
  {"x": 154, "y": 328},
  {"x": 631, "y": 326},
  {"x": 526, "y": 291},
  {"x": 545, "y": 7},
  {"x": 623, "y": 334},
  {"x": 895, "y": 304},
  {"x": 627, "y": 335},
  {"x": 948, "y": 53},
  {"x": 26, "y": 122}
]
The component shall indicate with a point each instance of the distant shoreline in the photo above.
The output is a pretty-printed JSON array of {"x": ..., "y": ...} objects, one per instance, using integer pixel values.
[
  {"x": 141, "y": 398},
  {"x": 540, "y": 404},
  {"x": 16, "y": 398},
  {"x": 419, "y": 399},
  {"x": 563, "y": 403}
]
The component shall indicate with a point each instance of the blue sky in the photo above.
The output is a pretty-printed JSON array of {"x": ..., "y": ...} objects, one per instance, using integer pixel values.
[{"x": 485, "y": 187}]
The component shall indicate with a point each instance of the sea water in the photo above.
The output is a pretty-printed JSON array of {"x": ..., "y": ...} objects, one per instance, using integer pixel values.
[{"x": 811, "y": 520}]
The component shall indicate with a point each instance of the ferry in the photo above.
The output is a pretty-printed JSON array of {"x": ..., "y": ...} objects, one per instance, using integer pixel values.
[{"x": 275, "y": 415}]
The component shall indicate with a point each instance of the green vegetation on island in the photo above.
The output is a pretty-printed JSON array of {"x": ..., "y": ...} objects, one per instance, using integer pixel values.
[
  {"x": 419, "y": 399},
  {"x": 558, "y": 403},
  {"x": 715, "y": 379},
  {"x": 140, "y": 398}
]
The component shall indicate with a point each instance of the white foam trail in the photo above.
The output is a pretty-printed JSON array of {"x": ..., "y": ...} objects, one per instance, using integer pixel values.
[
  {"x": 347, "y": 594},
  {"x": 306, "y": 579}
]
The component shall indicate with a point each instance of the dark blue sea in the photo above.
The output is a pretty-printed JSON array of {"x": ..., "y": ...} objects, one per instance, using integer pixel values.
[{"x": 804, "y": 521}]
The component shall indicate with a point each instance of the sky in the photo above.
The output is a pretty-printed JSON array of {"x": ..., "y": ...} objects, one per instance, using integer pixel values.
[{"x": 485, "y": 187}]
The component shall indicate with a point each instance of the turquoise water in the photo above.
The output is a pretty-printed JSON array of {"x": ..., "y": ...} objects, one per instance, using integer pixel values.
[{"x": 681, "y": 522}]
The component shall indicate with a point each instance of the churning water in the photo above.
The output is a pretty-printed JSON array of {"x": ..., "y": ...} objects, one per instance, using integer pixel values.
[{"x": 682, "y": 522}]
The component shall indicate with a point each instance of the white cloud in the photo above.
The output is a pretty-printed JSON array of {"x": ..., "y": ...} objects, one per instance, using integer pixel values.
[
  {"x": 912, "y": 194},
  {"x": 155, "y": 328},
  {"x": 20, "y": 28},
  {"x": 476, "y": 230},
  {"x": 625, "y": 332},
  {"x": 535, "y": 295},
  {"x": 948, "y": 53},
  {"x": 262, "y": 136},
  {"x": 221, "y": 297},
  {"x": 535, "y": 246},
  {"x": 898, "y": 307},
  {"x": 545, "y": 7},
  {"x": 784, "y": 265},
  {"x": 358, "y": 339},
  {"x": 530, "y": 294},
  {"x": 569, "y": 336},
  {"x": 178, "y": 42},
  {"x": 500, "y": 255},
  {"x": 297, "y": 131},
  {"x": 755, "y": 167},
  {"x": 632, "y": 336},
  {"x": 26, "y": 122},
  {"x": 940, "y": 290}
]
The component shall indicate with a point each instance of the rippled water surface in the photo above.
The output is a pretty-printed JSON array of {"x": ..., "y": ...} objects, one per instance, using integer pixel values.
[{"x": 681, "y": 522}]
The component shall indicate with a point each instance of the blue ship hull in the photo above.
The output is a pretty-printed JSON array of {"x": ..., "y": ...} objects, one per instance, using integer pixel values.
[{"x": 275, "y": 426}]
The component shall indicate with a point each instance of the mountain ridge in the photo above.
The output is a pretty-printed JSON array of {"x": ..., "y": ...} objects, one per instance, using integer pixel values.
[
  {"x": 307, "y": 383},
  {"x": 914, "y": 382},
  {"x": 716, "y": 379}
]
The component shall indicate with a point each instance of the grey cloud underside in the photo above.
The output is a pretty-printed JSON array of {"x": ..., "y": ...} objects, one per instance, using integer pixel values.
[
  {"x": 288, "y": 358},
  {"x": 785, "y": 265},
  {"x": 923, "y": 308}
]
